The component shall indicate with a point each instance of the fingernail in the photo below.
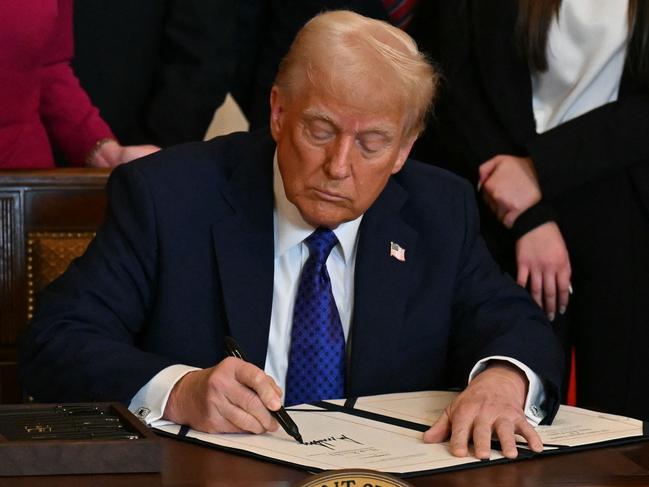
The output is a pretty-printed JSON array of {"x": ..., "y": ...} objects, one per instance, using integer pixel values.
[
  {"x": 551, "y": 316},
  {"x": 562, "y": 310},
  {"x": 479, "y": 187},
  {"x": 570, "y": 288}
]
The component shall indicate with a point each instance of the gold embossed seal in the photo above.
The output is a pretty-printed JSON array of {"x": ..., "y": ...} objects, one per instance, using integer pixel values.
[{"x": 353, "y": 477}]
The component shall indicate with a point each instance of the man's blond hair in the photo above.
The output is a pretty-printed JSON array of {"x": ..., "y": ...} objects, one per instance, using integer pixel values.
[{"x": 337, "y": 48}]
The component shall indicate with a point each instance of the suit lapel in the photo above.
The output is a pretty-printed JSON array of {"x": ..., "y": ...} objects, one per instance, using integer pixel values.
[
  {"x": 506, "y": 80},
  {"x": 243, "y": 241},
  {"x": 381, "y": 288}
]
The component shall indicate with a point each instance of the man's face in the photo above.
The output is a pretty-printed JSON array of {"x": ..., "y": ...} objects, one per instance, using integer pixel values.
[{"x": 335, "y": 157}]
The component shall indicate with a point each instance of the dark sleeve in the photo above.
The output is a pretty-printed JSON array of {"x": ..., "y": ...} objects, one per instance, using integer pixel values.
[
  {"x": 82, "y": 343},
  {"x": 601, "y": 142},
  {"x": 464, "y": 130},
  {"x": 253, "y": 23},
  {"x": 198, "y": 57},
  {"x": 494, "y": 316}
]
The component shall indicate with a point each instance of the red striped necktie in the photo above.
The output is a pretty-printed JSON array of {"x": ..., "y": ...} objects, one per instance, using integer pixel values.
[{"x": 400, "y": 11}]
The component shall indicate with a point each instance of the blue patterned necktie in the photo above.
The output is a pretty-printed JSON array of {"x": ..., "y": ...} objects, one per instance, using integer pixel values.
[{"x": 316, "y": 361}]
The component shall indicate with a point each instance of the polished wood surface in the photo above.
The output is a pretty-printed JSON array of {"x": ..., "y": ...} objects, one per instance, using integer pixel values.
[
  {"x": 47, "y": 217},
  {"x": 188, "y": 465}
]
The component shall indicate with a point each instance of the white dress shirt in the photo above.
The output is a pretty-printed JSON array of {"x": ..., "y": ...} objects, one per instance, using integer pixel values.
[
  {"x": 290, "y": 231},
  {"x": 291, "y": 253},
  {"x": 586, "y": 51}
]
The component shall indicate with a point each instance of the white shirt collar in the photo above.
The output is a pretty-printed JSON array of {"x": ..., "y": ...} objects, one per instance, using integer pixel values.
[{"x": 291, "y": 229}]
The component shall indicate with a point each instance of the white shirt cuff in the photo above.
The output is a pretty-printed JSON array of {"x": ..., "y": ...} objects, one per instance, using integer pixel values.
[
  {"x": 535, "y": 392},
  {"x": 150, "y": 401}
]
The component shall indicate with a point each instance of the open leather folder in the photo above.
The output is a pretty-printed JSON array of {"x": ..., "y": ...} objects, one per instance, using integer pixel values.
[{"x": 384, "y": 433}]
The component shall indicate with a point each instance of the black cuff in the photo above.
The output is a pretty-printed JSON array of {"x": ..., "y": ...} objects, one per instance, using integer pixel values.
[{"x": 536, "y": 215}]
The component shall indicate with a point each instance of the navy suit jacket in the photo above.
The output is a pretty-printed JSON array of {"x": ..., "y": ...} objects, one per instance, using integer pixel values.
[{"x": 185, "y": 256}]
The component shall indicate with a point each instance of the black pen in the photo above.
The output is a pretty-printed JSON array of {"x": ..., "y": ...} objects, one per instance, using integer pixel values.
[{"x": 280, "y": 415}]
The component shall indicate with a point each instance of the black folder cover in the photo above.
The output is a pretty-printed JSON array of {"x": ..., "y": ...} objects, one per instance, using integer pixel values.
[{"x": 350, "y": 408}]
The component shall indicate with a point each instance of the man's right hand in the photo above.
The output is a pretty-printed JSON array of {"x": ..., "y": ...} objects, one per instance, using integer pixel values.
[{"x": 233, "y": 396}]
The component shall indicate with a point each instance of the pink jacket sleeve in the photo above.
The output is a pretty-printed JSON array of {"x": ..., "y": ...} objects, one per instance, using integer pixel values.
[{"x": 72, "y": 122}]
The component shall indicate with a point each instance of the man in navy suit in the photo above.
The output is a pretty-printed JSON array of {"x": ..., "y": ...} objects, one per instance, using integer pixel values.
[{"x": 207, "y": 240}]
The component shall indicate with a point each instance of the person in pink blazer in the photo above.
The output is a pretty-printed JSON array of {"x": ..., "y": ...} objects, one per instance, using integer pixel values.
[{"x": 41, "y": 102}]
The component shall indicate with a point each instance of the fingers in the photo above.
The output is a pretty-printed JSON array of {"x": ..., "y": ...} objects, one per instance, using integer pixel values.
[
  {"x": 563, "y": 284},
  {"x": 481, "y": 433},
  {"x": 440, "y": 431},
  {"x": 491, "y": 404},
  {"x": 509, "y": 186},
  {"x": 262, "y": 384},
  {"x": 505, "y": 432},
  {"x": 481, "y": 439},
  {"x": 543, "y": 260},
  {"x": 131, "y": 152},
  {"x": 549, "y": 288},
  {"x": 460, "y": 436},
  {"x": 536, "y": 287},
  {"x": 546, "y": 289},
  {"x": 250, "y": 398},
  {"x": 236, "y": 419},
  {"x": 531, "y": 436},
  {"x": 523, "y": 275},
  {"x": 244, "y": 409},
  {"x": 549, "y": 294},
  {"x": 485, "y": 170},
  {"x": 510, "y": 217},
  {"x": 232, "y": 396},
  {"x": 278, "y": 391}
]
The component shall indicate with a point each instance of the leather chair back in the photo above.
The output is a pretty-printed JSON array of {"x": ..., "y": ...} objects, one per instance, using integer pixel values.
[{"x": 47, "y": 218}]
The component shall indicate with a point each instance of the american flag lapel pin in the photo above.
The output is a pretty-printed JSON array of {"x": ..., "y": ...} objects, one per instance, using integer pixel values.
[{"x": 397, "y": 251}]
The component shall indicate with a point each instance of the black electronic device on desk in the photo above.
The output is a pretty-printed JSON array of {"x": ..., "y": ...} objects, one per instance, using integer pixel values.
[{"x": 80, "y": 438}]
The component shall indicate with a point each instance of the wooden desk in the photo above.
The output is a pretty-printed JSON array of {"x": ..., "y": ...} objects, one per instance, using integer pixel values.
[{"x": 188, "y": 465}]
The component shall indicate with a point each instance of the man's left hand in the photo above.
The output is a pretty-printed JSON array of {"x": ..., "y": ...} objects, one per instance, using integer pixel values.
[{"x": 492, "y": 403}]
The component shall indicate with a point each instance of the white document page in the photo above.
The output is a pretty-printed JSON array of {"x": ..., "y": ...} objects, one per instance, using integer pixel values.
[
  {"x": 575, "y": 427},
  {"x": 335, "y": 440},
  {"x": 572, "y": 426},
  {"x": 423, "y": 407}
]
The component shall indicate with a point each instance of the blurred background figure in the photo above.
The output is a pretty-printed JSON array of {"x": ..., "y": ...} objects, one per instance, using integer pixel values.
[
  {"x": 157, "y": 69},
  {"x": 546, "y": 110},
  {"x": 266, "y": 30},
  {"x": 41, "y": 102}
]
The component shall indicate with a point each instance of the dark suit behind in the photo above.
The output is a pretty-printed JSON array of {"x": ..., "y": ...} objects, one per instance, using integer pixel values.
[
  {"x": 186, "y": 257},
  {"x": 266, "y": 29},
  {"x": 157, "y": 69},
  {"x": 594, "y": 171}
]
